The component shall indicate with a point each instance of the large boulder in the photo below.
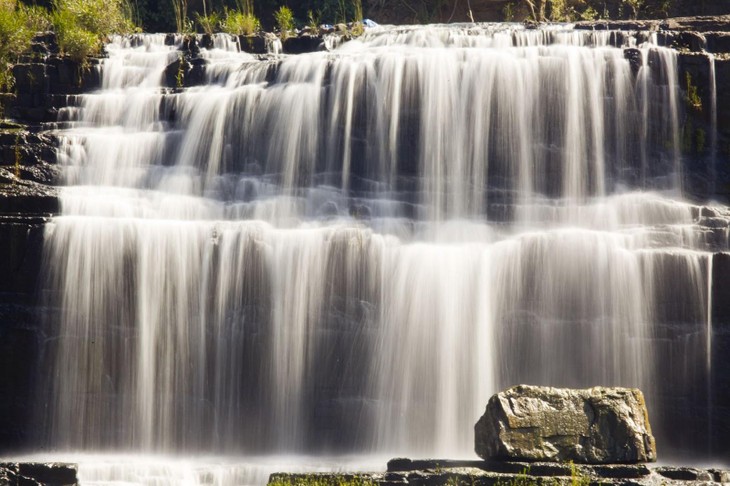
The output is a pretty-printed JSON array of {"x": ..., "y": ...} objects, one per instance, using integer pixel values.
[{"x": 594, "y": 426}]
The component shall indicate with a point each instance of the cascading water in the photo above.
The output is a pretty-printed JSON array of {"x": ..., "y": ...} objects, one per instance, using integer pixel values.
[{"x": 352, "y": 250}]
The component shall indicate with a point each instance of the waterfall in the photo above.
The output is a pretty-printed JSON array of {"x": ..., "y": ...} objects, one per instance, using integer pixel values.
[{"x": 350, "y": 251}]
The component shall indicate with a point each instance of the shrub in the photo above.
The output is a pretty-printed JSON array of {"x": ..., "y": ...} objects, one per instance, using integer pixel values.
[
  {"x": 83, "y": 25},
  {"x": 37, "y": 19},
  {"x": 208, "y": 23},
  {"x": 15, "y": 39},
  {"x": 15, "y": 36},
  {"x": 284, "y": 18},
  {"x": 589, "y": 14},
  {"x": 240, "y": 23},
  {"x": 101, "y": 17}
]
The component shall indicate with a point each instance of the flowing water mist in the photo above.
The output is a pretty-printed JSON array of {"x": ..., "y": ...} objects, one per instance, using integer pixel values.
[{"x": 352, "y": 250}]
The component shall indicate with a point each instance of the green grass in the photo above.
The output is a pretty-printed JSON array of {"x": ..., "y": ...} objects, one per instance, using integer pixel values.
[{"x": 320, "y": 480}]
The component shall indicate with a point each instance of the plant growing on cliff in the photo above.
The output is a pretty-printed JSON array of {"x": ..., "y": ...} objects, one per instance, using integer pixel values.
[
  {"x": 284, "y": 18},
  {"x": 83, "y": 25},
  {"x": 15, "y": 39},
  {"x": 691, "y": 94},
  {"x": 37, "y": 19},
  {"x": 180, "y": 76},
  {"x": 577, "y": 478}
]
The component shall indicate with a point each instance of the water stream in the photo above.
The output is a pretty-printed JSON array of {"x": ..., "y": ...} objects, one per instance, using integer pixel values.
[{"x": 350, "y": 251}]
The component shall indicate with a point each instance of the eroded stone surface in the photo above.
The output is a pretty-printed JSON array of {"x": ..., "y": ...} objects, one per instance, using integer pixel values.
[
  {"x": 596, "y": 426},
  {"x": 46, "y": 474}
]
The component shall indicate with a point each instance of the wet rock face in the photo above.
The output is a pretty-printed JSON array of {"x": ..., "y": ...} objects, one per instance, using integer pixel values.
[
  {"x": 55, "y": 474},
  {"x": 592, "y": 426}
]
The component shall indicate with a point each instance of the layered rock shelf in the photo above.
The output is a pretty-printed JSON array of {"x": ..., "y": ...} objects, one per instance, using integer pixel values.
[{"x": 431, "y": 472}]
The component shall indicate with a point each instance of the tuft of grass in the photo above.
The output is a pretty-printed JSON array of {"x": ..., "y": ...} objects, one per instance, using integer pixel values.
[
  {"x": 209, "y": 23},
  {"x": 237, "y": 22},
  {"x": 577, "y": 478},
  {"x": 314, "y": 21},
  {"x": 284, "y": 18},
  {"x": 320, "y": 480}
]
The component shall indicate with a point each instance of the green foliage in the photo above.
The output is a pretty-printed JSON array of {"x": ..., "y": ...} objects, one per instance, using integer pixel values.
[
  {"x": 284, "y": 18},
  {"x": 82, "y": 25},
  {"x": 101, "y": 17},
  {"x": 237, "y": 22},
  {"x": 522, "y": 479},
  {"x": 208, "y": 23},
  {"x": 37, "y": 19},
  {"x": 577, "y": 478},
  {"x": 313, "y": 22},
  {"x": 15, "y": 39},
  {"x": 560, "y": 11},
  {"x": 15, "y": 36},
  {"x": 589, "y": 14},
  {"x": 358, "y": 28},
  {"x": 180, "y": 76},
  {"x": 692, "y": 96},
  {"x": 320, "y": 480}
]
